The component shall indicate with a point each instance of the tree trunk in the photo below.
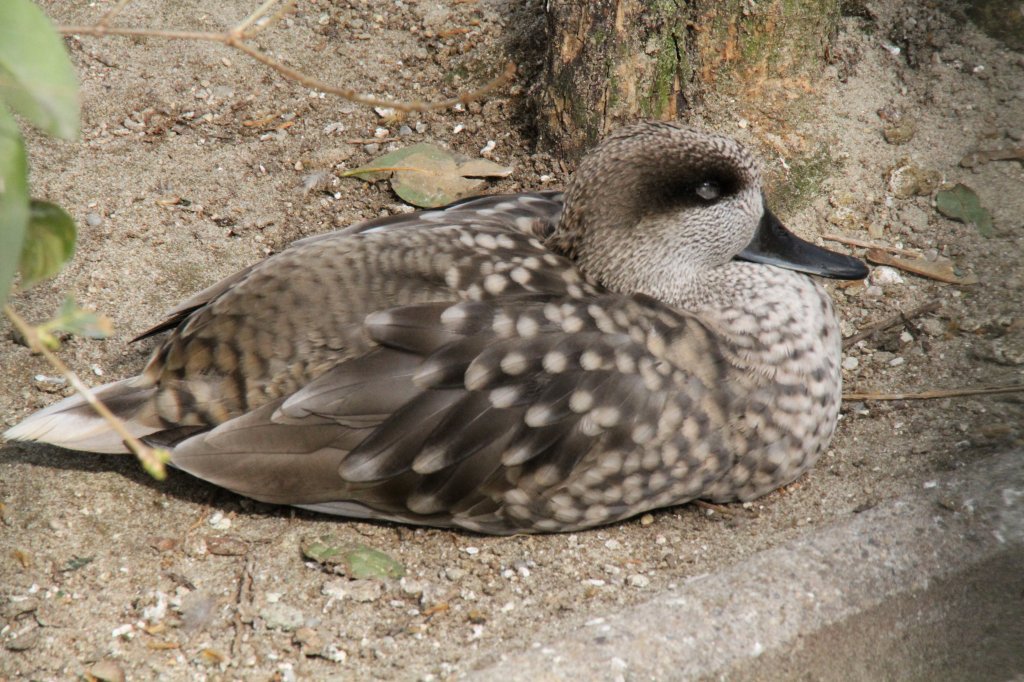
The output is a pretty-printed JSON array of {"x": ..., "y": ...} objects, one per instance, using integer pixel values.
[{"x": 614, "y": 61}]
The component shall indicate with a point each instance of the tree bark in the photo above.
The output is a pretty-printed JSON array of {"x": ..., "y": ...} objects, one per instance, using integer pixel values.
[{"x": 614, "y": 61}]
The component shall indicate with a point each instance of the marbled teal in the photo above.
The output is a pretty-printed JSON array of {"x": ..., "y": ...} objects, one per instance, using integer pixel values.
[{"x": 532, "y": 362}]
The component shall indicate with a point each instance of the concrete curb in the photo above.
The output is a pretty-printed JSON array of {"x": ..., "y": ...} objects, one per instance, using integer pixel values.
[{"x": 930, "y": 586}]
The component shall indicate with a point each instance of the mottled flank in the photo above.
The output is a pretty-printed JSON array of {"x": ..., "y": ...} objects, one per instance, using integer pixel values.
[{"x": 520, "y": 363}]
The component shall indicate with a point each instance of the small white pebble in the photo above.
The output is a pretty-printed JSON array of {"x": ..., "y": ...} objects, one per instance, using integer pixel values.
[
  {"x": 613, "y": 544},
  {"x": 896, "y": 362},
  {"x": 883, "y": 275},
  {"x": 488, "y": 148},
  {"x": 638, "y": 580},
  {"x": 122, "y": 631},
  {"x": 850, "y": 363},
  {"x": 892, "y": 49},
  {"x": 471, "y": 551},
  {"x": 458, "y": 128},
  {"x": 219, "y": 521},
  {"x": 928, "y": 485}
]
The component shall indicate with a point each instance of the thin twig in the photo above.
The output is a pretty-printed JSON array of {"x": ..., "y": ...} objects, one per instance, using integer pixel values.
[
  {"x": 100, "y": 31},
  {"x": 242, "y": 597},
  {"x": 286, "y": 8},
  {"x": 113, "y": 12},
  {"x": 231, "y": 39},
  {"x": 983, "y": 156},
  {"x": 941, "y": 270},
  {"x": 896, "y": 319},
  {"x": 710, "y": 506},
  {"x": 939, "y": 393},
  {"x": 353, "y": 96},
  {"x": 850, "y": 241},
  {"x": 152, "y": 460},
  {"x": 239, "y": 30}
]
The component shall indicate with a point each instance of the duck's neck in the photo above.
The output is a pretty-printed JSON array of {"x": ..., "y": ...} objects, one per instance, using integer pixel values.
[{"x": 776, "y": 323}]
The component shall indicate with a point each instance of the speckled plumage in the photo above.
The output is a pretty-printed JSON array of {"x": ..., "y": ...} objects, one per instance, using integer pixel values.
[{"x": 517, "y": 363}]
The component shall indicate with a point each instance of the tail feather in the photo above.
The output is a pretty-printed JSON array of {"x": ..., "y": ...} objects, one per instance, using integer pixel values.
[{"x": 72, "y": 423}]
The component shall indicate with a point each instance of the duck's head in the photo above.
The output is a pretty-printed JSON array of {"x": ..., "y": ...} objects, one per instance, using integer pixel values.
[{"x": 657, "y": 204}]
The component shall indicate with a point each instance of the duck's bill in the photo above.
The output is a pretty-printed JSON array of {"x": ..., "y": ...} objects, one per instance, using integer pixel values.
[{"x": 773, "y": 244}]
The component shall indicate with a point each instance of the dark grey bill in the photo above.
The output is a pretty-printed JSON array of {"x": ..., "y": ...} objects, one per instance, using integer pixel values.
[{"x": 773, "y": 244}]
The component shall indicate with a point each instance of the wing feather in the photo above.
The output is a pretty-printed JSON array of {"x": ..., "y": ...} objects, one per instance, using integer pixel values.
[{"x": 480, "y": 399}]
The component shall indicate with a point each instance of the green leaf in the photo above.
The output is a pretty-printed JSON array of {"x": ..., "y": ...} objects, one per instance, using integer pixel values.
[
  {"x": 76, "y": 562},
  {"x": 36, "y": 76},
  {"x": 49, "y": 242},
  {"x": 13, "y": 199},
  {"x": 358, "y": 562},
  {"x": 74, "y": 320},
  {"x": 961, "y": 203},
  {"x": 428, "y": 176},
  {"x": 321, "y": 550},
  {"x": 364, "y": 562}
]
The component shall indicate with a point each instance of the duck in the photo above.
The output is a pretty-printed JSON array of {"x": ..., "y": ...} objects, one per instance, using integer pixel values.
[{"x": 537, "y": 362}]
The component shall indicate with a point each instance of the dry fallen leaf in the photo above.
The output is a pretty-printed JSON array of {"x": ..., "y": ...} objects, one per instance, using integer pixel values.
[
  {"x": 428, "y": 176},
  {"x": 106, "y": 671},
  {"x": 226, "y": 545}
]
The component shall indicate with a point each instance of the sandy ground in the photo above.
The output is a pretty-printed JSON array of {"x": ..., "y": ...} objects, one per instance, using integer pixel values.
[{"x": 192, "y": 165}]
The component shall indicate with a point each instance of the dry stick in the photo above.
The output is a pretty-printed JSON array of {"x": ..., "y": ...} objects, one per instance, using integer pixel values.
[
  {"x": 710, "y": 506},
  {"x": 929, "y": 307},
  {"x": 983, "y": 156},
  {"x": 256, "y": 16},
  {"x": 152, "y": 460},
  {"x": 850, "y": 241},
  {"x": 242, "y": 597},
  {"x": 939, "y": 393},
  {"x": 112, "y": 12},
  {"x": 232, "y": 39},
  {"x": 286, "y": 8}
]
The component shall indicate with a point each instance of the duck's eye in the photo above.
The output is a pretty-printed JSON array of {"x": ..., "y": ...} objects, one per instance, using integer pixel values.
[{"x": 708, "y": 191}]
